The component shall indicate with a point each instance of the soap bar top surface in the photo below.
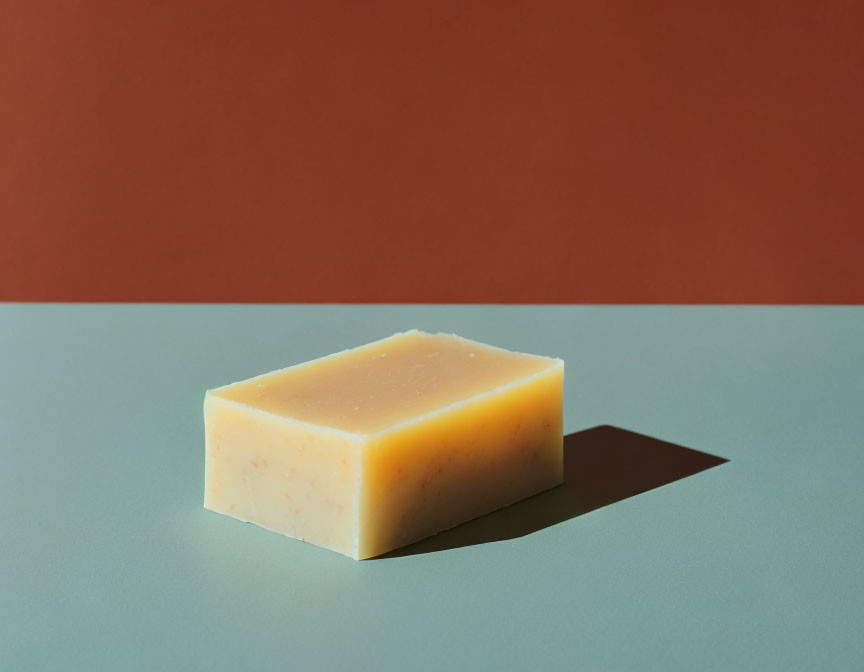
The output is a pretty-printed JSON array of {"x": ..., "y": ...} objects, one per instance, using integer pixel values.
[{"x": 386, "y": 383}]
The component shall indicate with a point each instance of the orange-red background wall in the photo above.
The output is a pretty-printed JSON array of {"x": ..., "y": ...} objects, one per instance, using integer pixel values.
[{"x": 432, "y": 151}]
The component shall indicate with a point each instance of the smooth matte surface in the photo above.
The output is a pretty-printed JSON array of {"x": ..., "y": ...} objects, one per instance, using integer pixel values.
[
  {"x": 378, "y": 385},
  {"x": 109, "y": 561},
  {"x": 493, "y": 151}
]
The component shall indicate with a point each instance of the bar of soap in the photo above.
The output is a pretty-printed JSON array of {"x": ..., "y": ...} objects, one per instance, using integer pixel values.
[{"x": 373, "y": 448}]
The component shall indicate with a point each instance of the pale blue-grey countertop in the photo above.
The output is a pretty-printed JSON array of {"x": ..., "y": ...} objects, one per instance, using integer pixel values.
[{"x": 732, "y": 539}]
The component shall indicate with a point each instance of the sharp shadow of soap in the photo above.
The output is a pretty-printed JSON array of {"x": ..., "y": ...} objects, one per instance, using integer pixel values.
[{"x": 602, "y": 465}]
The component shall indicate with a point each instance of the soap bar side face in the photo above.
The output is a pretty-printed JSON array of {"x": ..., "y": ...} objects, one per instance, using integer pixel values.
[
  {"x": 456, "y": 465},
  {"x": 294, "y": 479}
]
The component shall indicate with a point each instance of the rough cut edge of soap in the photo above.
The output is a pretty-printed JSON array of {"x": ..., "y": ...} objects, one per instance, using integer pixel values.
[
  {"x": 492, "y": 347},
  {"x": 555, "y": 365}
]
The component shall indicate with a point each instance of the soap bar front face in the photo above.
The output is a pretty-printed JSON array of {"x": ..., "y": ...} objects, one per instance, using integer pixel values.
[
  {"x": 287, "y": 477},
  {"x": 376, "y": 447}
]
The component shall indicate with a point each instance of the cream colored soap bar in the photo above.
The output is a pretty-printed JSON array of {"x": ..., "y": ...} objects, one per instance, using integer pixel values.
[{"x": 380, "y": 446}]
